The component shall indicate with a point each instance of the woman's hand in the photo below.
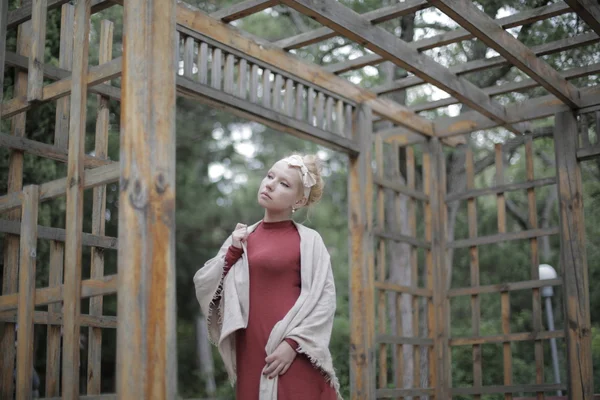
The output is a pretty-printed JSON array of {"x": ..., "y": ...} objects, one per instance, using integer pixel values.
[
  {"x": 239, "y": 235},
  {"x": 279, "y": 362}
]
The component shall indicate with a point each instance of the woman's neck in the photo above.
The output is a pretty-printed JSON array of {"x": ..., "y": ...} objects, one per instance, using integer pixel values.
[{"x": 276, "y": 217}]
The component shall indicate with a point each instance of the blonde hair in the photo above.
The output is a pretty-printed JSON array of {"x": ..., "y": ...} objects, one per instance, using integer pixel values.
[{"x": 313, "y": 163}]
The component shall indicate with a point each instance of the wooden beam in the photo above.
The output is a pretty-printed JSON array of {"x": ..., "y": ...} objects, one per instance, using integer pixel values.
[
  {"x": 455, "y": 36},
  {"x": 35, "y": 76},
  {"x": 195, "y": 20},
  {"x": 23, "y": 13},
  {"x": 3, "y": 22},
  {"x": 510, "y": 87},
  {"x": 529, "y": 110},
  {"x": 488, "y": 63},
  {"x": 243, "y": 9},
  {"x": 362, "y": 309},
  {"x": 56, "y": 320},
  {"x": 465, "y": 13},
  {"x": 350, "y": 24},
  {"x": 65, "y": 61},
  {"x": 375, "y": 17},
  {"x": 573, "y": 259},
  {"x": 587, "y": 10},
  {"x": 146, "y": 328}
]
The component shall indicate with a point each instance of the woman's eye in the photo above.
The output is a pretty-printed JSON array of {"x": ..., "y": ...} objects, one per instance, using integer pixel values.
[{"x": 285, "y": 184}]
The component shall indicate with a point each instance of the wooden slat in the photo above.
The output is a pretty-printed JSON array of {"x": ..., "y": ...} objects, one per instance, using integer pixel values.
[
  {"x": 188, "y": 57},
  {"x": 11, "y": 243},
  {"x": 511, "y": 337},
  {"x": 398, "y": 187},
  {"x": 382, "y": 317},
  {"x": 300, "y": 101},
  {"x": 503, "y": 237},
  {"x": 360, "y": 195},
  {"x": 474, "y": 269},
  {"x": 403, "y": 393},
  {"x": 398, "y": 237},
  {"x": 94, "y": 367},
  {"x": 242, "y": 9},
  {"x": 311, "y": 105},
  {"x": 511, "y": 87},
  {"x": 348, "y": 120},
  {"x": 216, "y": 68},
  {"x": 525, "y": 111},
  {"x": 23, "y": 13},
  {"x": 94, "y": 76},
  {"x": 57, "y": 254},
  {"x": 493, "y": 62},
  {"x": 242, "y": 90},
  {"x": 454, "y": 36},
  {"x": 266, "y": 88},
  {"x": 375, "y": 17},
  {"x": 413, "y": 290},
  {"x": 413, "y": 340},
  {"x": 504, "y": 389},
  {"x": 74, "y": 207},
  {"x": 588, "y": 153},
  {"x": 3, "y": 22},
  {"x": 329, "y": 114},
  {"x": 47, "y": 150},
  {"x": 35, "y": 80},
  {"x": 503, "y": 287},
  {"x": 465, "y": 13},
  {"x": 27, "y": 267},
  {"x": 588, "y": 11},
  {"x": 288, "y": 102},
  {"x": 533, "y": 243},
  {"x": 573, "y": 258},
  {"x": 65, "y": 61},
  {"x": 228, "y": 74},
  {"x": 50, "y": 295},
  {"x": 55, "y": 321},
  {"x": 254, "y": 83},
  {"x": 429, "y": 270},
  {"x": 146, "y": 329},
  {"x": 193, "y": 19},
  {"x": 203, "y": 63},
  {"x": 339, "y": 118},
  {"x": 255, "y": 112},
  {"x": 320, "y": 109},
  {"x": 277, "y": 87}
]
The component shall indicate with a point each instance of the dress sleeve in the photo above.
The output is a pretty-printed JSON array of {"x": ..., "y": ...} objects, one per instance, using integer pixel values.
[{"x": 232, "y": 256}]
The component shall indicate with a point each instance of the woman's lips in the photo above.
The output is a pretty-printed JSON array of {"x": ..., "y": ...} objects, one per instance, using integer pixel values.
[{"x": 265, "y": 194}]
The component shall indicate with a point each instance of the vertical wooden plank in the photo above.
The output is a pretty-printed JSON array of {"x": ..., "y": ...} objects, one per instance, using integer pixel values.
[
  {"x": 65, "y": 61},
  {"x": 277, "y": 92},
  {"x": 428, "y": 165},
  {"x": 597, "y": 113},
  {"x": 229, "y": 70},
  {"x": 266, "y": 92},
  {"x": 320, "y": 109},
  {"x": 381, "y": 264},
  {"x": 3, "y": 23},
  {"x": 440, "y": 272},
  {"x": 414, "y": 262},
  {"x": 254, "y": 83},
  {"x": 288, "y": 101},
  {"x": 188, "y": 57},
  {"x": 585, "y": 134},
  {"x": 474, "y": 268},
  {"x": 399, "y": 348},
  {"x": 339, "y": 118},
  {"x": 74, "y": 208},
  {"x": 35, "y": 83},
  {"x": 203, "y": 63},
  {"x": 146, "y": 301},
  {"x": 311, "y": 106},
  {"x": 348, "y": 120},
  {"x": 216, "y": 68},
  {"x": 11, "y": 242},
  {"x": 94, "y": 371},
  {"x": 328, "y": 114},
  {"x": 242, "y": 78},
  {"x": 299, "y": 112},
  {"x": 573, "y": 259},
  {"x": 26, "y": 296},
  {"x": 535, "y": 261},
  {"x": 360, "y": 195},
  {"x": 57, "y": 253},
  {"x": 500, "y": 200}
]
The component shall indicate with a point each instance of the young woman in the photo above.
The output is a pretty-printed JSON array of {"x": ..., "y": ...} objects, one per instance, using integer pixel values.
[{"x": 269, "y": 294}]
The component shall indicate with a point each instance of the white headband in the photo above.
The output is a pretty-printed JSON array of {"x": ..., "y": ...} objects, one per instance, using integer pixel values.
[{"x": 308, "y": 180}]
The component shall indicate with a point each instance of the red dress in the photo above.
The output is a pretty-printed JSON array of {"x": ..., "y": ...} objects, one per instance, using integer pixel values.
[{"x": 274, "y": 260}]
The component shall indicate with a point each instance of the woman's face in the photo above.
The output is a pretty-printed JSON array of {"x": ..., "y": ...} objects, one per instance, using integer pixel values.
[{"x": 281, "y": 189}]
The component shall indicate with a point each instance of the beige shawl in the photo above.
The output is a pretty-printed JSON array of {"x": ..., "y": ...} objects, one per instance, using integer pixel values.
[{"x": 310, "y": 321}]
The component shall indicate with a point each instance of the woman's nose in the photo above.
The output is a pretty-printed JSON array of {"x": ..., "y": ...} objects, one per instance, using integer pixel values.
[{"x": 268, "y": 186}]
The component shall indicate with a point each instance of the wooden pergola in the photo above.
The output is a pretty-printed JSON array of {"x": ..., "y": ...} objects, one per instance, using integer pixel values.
[{"x": 261, "y": 81}]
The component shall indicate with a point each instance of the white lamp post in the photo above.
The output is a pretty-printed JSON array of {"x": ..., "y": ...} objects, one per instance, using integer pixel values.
[{"x": 547, "y": 272}]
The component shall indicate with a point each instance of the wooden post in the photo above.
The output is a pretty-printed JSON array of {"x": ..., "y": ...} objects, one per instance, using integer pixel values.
[
  {"x": 39, "y": 9},
  {"x": 146, "y": 334},
  {"x": 440, "y": 272},
  {"x": 11, "y": 242},
  {"x": 74, "y": 219},
  {"x": 360, "y": 188},
  {"x": 3, "y": 22},
  {"x": 26, "y": 295},
  {"x": 573, "y": 259}
]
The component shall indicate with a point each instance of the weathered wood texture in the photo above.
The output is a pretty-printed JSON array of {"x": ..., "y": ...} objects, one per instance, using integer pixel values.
[
  {"x": 360, "y": 195},
  {"x": 573, "y": 258},
  {"x": 74, "y": 207},
  {"x": 146, "y": 333},
  {"x": 3, "y": 22},
  {"x": 588, "y": 11}
]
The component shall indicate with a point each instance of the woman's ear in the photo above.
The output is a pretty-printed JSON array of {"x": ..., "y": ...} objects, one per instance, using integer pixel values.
[{"x": 301, "y": 202}]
